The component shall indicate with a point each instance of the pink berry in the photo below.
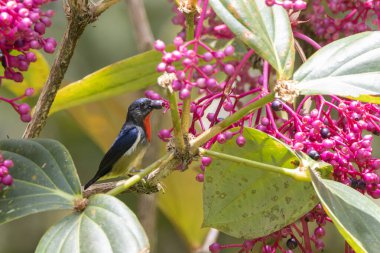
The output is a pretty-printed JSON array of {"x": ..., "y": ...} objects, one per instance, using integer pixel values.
[
  {"x": 229, "y": 50},
  {"x": 206, "y": 161},
  {"x": 184, "y": 93},
  {"x": 29, "y": 92},
  {"x": 228, "y": 106},
  {"x": 26, "y": 117},
  {"x": 221, "y": 138},
  {"x": 7, "y": 180},
  {"x": 319, "y": 232},
  {"x": 24, "y": 108},
  {"x": 159, "y": 45},
  {"x": 215, "y": 247},
  {"x": 8, "y": 163},
  {"x": 240, "y": 141},
  {"x": 229, "y": 69},
  {"x": 200, "y": 177},
  {"x": 161, "y": 67}
]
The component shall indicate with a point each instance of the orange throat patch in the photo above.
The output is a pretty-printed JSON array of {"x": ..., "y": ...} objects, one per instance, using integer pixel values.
[{"x": 147, "y": 127}]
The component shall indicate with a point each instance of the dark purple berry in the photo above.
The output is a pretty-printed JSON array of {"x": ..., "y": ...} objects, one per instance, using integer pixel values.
[
  {"x": 325, "y": 133},
  {"x": 319, "y": 232},
  {"x": 314, "y": 154},
  {"x": 291, "y": 243},
  {"x": 276, "y": 105}
]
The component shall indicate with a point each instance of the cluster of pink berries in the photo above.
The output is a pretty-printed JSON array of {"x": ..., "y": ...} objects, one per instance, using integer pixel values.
[
  {"x": 358, "y": 16},
  {"x": 334, "y": 130},
  {"x": 23, "y": 109},
  {"x": 287, "y": 239},
  {"x": 295, "y": 5},
  {"x": 200, "y": 71},
  {"x": 23, "y": 25},
  {"x": 334, "y": 133},
  {"x": 5, "y": 178}
]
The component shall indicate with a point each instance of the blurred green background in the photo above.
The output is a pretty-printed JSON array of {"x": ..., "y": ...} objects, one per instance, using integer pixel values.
[{"x": 106, "y": 41}]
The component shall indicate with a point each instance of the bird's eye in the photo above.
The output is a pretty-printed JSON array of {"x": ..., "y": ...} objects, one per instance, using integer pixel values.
[{"x": 143, "y": 106}]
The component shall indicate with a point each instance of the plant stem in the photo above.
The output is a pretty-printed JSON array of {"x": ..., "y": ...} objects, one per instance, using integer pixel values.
[
  {"x": 307, "y": 39},
  {"x": 211, "y": 132},
  {"x": 306, "y": 236},
  {"x": 79, "y": 13},
  {"x": 178, "y": 134},
  {"x": 185, "y": 123},
  {"x": 126, "y": 184},
  {"x": 258, "y": 165}
]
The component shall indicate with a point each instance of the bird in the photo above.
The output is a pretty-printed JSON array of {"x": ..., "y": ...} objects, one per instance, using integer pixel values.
[{"x": 131, "y": 143}]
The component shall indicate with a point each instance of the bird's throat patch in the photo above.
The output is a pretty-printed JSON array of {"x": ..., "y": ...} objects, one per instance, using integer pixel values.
[{"x": 147, "y": 127}]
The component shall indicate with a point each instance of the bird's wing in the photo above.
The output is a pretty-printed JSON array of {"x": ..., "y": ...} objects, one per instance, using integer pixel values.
[{"x": 125, "y": 142}]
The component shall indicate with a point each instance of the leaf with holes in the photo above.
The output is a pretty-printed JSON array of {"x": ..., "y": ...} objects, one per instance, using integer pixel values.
[
  {"x": 246, "y": 202},
  {"x": 44, "y": 178},
  {"x": 265, "y": 29},
  {"x": 106, "y": 225},
  {"x": 349, "y": 67},
  {"x": 356, "y": 216}
]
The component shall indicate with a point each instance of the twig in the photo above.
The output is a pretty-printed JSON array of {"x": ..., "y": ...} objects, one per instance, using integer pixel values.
[
  {"x": 140, "y": 24},
  {"x": 105, "y": 187},
  {"x": 79, "y": 15}
]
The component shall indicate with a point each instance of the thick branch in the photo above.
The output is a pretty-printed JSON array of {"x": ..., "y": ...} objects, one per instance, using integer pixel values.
[{"x": 79, "y": 15}]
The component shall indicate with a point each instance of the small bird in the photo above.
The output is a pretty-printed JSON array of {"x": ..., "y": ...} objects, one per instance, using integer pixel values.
[{"x": 131, "y": 143}]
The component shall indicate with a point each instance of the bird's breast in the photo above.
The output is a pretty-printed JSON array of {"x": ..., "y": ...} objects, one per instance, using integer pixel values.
[{"x": 131, "y": 158}]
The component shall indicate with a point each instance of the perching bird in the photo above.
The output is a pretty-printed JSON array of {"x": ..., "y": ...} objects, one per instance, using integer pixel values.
[{"x": 130, "y": 145}]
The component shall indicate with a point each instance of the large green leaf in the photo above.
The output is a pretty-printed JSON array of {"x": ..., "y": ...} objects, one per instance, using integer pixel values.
[
  {"x": 348, "y": 67},
  {"x": 128, "y": 75},
  {"x": 107, "y": 225},
  {"x": 246, "y": 202},
  {"x": 35, "y": 77},
  {"x": 44, "y": 178},
  {"x": 265, "y": 29},
  {"x": 356, "y": 217}
]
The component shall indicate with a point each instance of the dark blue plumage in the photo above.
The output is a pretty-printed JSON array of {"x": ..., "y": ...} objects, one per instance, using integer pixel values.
[{"x": 131, "y": 142}]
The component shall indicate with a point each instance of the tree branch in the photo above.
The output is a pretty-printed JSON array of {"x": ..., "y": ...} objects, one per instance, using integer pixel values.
[{"x": 79, "y": 14}]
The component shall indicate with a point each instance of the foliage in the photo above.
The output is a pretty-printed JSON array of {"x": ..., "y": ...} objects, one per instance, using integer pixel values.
[{"x": 268, "y": 136}]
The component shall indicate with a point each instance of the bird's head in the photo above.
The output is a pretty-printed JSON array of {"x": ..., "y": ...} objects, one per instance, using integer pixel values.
[{"x": 141, "y": 108}]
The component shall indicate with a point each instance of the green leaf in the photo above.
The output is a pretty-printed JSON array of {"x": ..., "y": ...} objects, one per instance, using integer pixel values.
[
  {"x": 349, "y": 67},
  {"x": 44, "y": 178},
  {"x": 356, "y": 217},
  {"x": 134, "y": 73},
  {"x": 107, "y": 225},
  {"x": 35, "y": 77},
  {"x": 246, "y": 202},
  {"x": 182, "y": 205},
  {"x": 265, "y": 29}
]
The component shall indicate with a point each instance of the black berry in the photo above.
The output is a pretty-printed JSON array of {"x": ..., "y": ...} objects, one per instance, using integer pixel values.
[
  {"x": 314, "y": 154},
  {"x": 276, "y": 105},
  {"x": 325, "y": 132},
  {"x": 291, "y": 243}
]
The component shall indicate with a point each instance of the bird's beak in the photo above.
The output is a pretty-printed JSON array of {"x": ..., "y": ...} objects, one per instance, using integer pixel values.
[{"x": 157, "y": 104}]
